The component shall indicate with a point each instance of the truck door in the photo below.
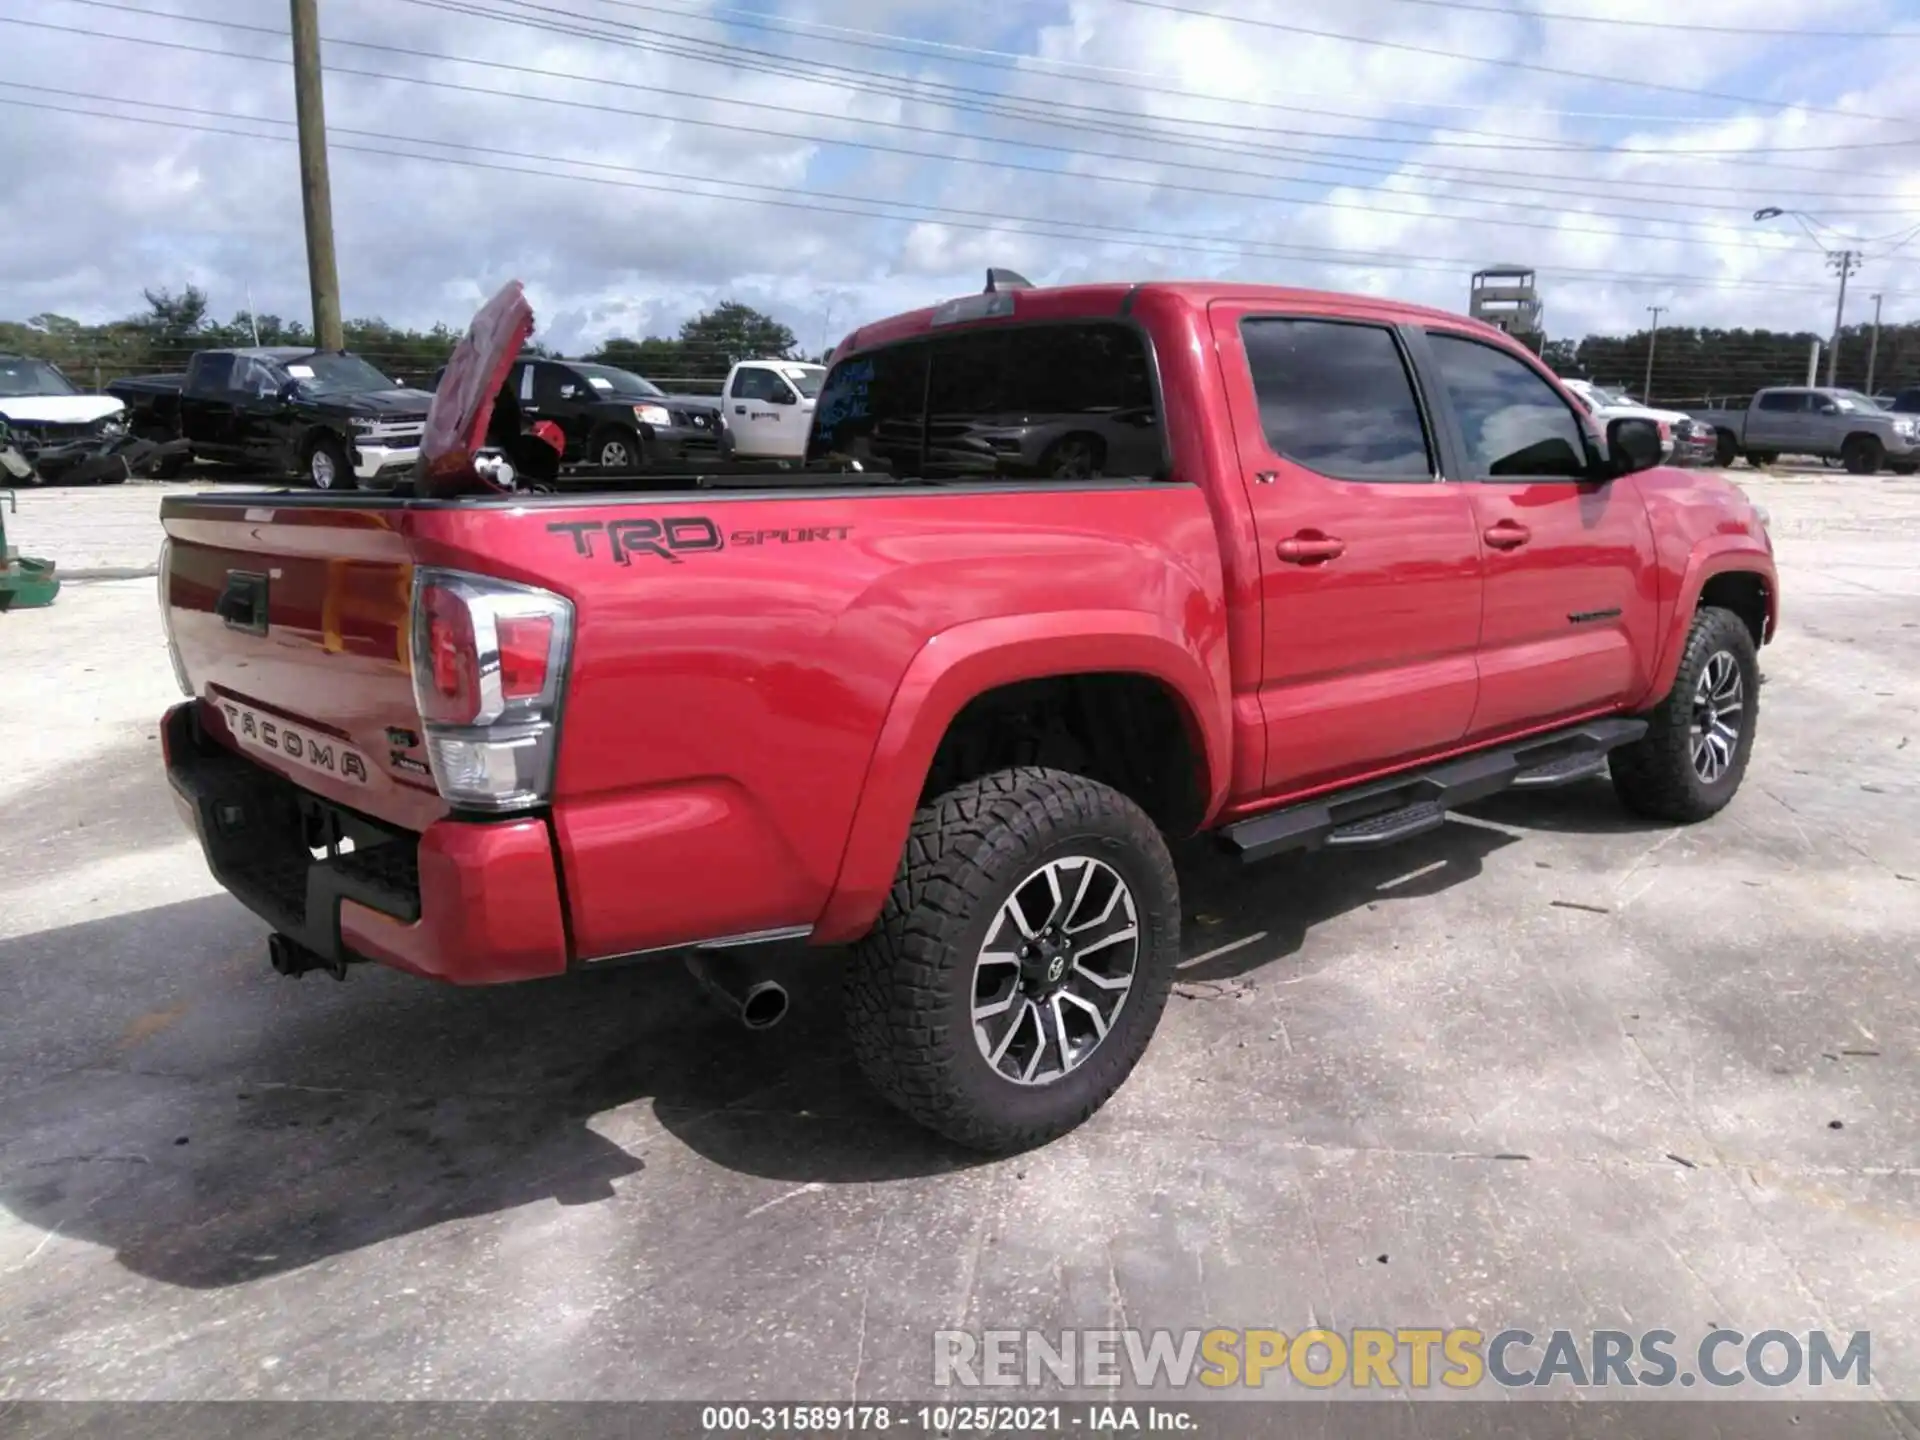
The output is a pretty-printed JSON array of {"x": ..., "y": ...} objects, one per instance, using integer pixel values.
[
  {"x": 757, "y": 418},
  {"x": 562, "y": 395},
  {"x": 1569, "y": 621},
  {"x": 207, "y": 414},
  {"x": 1779, "y": 420},
  {"x": 1369, "y": 560},
  {"x": 263, "y": 420}
]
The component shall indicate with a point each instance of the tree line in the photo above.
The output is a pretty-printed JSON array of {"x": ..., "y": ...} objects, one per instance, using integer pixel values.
[
  {"x": 174, "y": 325},
  {"x": 1690, "y": 365}
]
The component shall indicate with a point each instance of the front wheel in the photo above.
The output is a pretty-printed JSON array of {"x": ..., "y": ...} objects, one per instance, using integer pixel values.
[
  {"x": 1689, "y": 763},
  {"x": 327, "y": 467},
  {"x": 1021, "y": 962},
  {"x": 615, "y": 449},
  {"x": 1863, "y": 455}
]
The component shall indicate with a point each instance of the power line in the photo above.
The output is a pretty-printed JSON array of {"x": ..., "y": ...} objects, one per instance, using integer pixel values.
[
  {"x": 1528, "y": 65},
  {"x": 1318, "y": 158},
  {"x": 723, "y": 54},
  {"x": 1129, "y": 79},
  {"x": 1082, "y": 231},
  {"x": 1616, "y": 22},
  {"x": 1558, "y": 226}
]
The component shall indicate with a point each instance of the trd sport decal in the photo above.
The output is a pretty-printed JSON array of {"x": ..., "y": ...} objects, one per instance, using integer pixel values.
[{"x": 679, "y": 536}]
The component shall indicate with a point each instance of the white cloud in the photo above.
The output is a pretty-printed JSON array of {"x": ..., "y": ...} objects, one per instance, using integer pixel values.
[{"x": 117, "y": 206}]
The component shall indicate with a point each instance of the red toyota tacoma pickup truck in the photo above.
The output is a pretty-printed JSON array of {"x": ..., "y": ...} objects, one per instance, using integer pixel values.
[{"x": 1071, "y": 571}]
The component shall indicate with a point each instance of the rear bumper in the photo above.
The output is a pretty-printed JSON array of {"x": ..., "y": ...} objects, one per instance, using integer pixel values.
[{"x": 469, "y": 903}]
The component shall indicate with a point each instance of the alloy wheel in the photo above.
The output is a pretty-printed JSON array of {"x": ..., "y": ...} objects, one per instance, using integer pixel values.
[
  {"x": 1718, "y": 701},
  {"x": 1055, "y": 971}
]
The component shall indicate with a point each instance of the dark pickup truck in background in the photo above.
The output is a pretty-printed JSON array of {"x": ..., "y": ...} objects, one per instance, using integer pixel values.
[{"x": 327, "y": 416}]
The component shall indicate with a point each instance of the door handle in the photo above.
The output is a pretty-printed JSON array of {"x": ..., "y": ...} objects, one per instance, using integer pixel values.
[
  {"x": 1310, "y": 547},
  {"x": 1507, "y": 535},
  {"x": 739, "y": 409}
]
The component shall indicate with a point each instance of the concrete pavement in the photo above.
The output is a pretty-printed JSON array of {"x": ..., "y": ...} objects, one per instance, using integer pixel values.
[{"x": 1547, "y": 1067}]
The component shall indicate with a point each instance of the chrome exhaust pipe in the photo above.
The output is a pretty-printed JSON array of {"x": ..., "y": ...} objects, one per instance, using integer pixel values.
[{"x": 755, "y": 1001}]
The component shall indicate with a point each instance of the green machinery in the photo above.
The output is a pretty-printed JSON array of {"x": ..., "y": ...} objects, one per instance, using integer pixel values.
[{"x": 25, "y": 582}]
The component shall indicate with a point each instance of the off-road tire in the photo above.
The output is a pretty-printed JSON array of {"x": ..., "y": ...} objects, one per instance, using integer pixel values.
[
  {"x": 909, "y": 982},
  {"x": 1655, "y": 776},
  {"x": 343, "y": 477},
  {"x": 1863, "y": 455}
]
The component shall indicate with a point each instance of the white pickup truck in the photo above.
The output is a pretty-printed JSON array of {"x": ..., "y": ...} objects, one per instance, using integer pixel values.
[{"x": 766, "y": 409}]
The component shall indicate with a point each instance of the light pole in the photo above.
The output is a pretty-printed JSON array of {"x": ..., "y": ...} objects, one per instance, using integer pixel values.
[
  {"x": 1653, "y": 335},
  {"x": 1873, "y": 347},
  {"x": 1843, "y": 262}
]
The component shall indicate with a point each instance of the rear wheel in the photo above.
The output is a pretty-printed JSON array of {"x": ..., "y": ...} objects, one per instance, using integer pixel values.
[
  {"x": 1725, "y": 451},
  {"x": 1760, "y": 459},
  {"x": 1863, "y": 455},
  {"x": 327, "y": 467},
  {"x": 1690, "y": 762},
  {"x": 1022, "y": 960}
]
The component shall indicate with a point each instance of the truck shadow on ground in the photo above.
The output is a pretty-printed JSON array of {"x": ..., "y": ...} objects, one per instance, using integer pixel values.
[{"x": 166, "y": 1097}]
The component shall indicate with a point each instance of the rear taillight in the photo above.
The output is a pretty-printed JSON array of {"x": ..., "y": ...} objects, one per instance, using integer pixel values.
[{"x": 489, "y": 666}]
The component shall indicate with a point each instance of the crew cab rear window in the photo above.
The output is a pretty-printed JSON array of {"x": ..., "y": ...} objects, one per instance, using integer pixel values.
[
  {"x": 1024, "y": 402},
  {"x": 1795, "y": 400},
  {"x": 1336, "y": 397}
]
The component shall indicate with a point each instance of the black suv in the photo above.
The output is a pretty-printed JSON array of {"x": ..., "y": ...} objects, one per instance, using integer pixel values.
[{"x": 612, "y": 417}]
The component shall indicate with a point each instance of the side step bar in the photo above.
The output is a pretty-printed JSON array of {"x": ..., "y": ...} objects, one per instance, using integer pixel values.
[{"x": 1394, "y": 809}]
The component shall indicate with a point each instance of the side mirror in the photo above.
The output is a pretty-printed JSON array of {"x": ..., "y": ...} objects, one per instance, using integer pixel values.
[
  {"x": 782, "y": 397},
  {"x": 1827, "y": 407},
  {"x": 289, "y": 391},
  {"x": 1633, "y": 445}
]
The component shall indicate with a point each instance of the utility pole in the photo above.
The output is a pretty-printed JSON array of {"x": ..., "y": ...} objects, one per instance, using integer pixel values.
[
  {"x": 1873, "y": 349},
  {"x": 1653, "y": 335},
  {"x": 1846, "y": 262},
  {"x": 316, "y": 195}
]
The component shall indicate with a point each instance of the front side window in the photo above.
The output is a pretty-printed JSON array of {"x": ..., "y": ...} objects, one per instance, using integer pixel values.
[
  {"x": 1514, "y": 424},
  {"x": 1337, "y": 399},
  {"x": 753, "y": 384}
]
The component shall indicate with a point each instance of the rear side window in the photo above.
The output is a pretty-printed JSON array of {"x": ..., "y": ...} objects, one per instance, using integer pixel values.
[
  {"x": 1033, "y": 402},
  {"x": 1794, "y": 400},
  {"x": 1337, "y": 398},
  {"x": 1514, "y": 423},
  {"x": 210, "y": 373}
]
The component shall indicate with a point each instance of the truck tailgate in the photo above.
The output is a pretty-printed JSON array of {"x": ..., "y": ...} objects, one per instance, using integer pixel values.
[{"x": 292, "y": 624}]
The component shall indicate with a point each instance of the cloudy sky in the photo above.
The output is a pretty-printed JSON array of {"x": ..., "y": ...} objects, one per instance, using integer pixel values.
[{"x": 836, "y": 160}]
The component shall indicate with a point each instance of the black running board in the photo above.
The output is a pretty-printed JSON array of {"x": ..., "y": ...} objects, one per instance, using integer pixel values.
[{"x": 1394, "y": 809}]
